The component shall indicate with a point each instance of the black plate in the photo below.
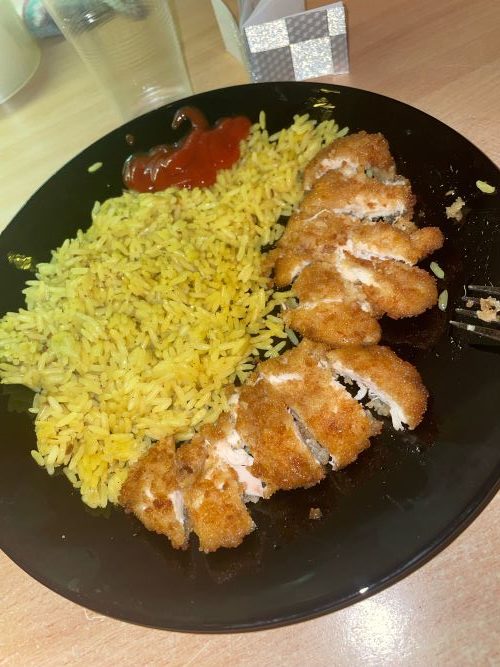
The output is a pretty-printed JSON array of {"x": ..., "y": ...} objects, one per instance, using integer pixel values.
[{"x": 402, "y": 502}]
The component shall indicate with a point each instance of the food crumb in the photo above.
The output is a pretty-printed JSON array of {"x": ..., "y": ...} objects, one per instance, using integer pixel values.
[
  {"x": 94, "y": 167},
  {"x": 485, "y": 187},
  {"x": 454, "y": 211},
  {"x": 490, "y": 308},
  {"x": 20, "y": 261},
  {"x": 469, "y": 303},
  {"x": 129, "y": 138},
  {"x": 315, "y": 513},
  {"x": 449, "y": 193}
]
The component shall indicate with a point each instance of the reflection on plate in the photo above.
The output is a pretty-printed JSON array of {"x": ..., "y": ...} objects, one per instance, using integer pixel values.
[{"x": 404, "y": 499}]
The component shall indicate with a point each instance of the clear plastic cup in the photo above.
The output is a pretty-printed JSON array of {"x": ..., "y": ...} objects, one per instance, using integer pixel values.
[
  {"x": 131, "y": 46},
  {"x": 19, "y": 53}
]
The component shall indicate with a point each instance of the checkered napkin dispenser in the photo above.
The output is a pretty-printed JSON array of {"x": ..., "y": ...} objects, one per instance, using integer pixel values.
[{"x": 279, "y": 41}]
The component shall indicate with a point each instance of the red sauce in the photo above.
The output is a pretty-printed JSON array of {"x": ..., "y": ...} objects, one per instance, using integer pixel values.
[{"x": 192, "y": 162}]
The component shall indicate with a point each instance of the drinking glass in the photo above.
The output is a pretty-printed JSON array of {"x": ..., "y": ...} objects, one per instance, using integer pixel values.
[{"x": 131, "y": 46}]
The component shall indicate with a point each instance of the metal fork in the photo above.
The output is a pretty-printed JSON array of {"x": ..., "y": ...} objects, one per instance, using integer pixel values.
[{"x": 488, "y": 330}]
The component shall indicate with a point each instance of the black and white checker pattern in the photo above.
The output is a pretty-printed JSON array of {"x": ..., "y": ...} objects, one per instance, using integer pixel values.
[{"x": 298, "y": 47}]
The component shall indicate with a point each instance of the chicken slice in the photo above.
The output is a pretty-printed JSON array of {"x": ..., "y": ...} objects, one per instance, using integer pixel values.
[
  {"x": 381, "y": 240},
  {"x": 391, "y": 287},
  {"x": 363, "y": 199},
  {"x": 332, "y": 310},
  {"x": 352, "y": 156},
  {"x": 426, "y": 240},
  {"x": 336, "y": 324},
  {"x": 231, "y": 449},
  {"x": 305, "y": 239},
  {"x": 405, "y": 224},
  {"x": 280, "y": 456},
  {"x": 152, "y": 493},
  {"x": 325, "y": 410},
  {"x": 288, "y": 266},
  {"x": 213, "y": 495},
  {"x": 386, "y": 378}
]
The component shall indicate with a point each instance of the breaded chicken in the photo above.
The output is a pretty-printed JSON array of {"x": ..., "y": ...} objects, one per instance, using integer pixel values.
[
  {"x": 231, "y": 449},
  {"x": 382, "y": 375},
  {"x": 427, "y": 240},
  {"x": 286, "y": 424},
  {"x": 151, "y": 492},
  {"x": 381, "y": 240},
  {"x": 306, "y": 239},
  {"x": 352, "y": 156},
  {"x": 213, "y": 497},
  {"x": 288, "y": 265},
  {"x": 281, "y": 459},
  {"x": 375, "y": 240},
  {"x": 405, "y": 224},
  {"x": 391, "y": 287},
  {"x": 218, "y": 514},
  {"x": 325, "y": 411},
  {"x": 363, "y": 199},
  {"x": 321, "y": 281},
  {"x": 332, "y": 310}
]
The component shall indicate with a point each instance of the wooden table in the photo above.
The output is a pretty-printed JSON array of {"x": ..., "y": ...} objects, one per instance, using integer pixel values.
[{"x": 439, "y": 55}]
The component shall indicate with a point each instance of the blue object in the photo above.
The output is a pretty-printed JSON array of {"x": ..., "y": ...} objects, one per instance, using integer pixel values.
[
  {"x": 38, "y": 20},
  {"x": 40, "y": 23}
]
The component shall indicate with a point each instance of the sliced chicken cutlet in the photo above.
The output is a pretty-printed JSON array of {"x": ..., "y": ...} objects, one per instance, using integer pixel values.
[
  {"x": 324, "y": 410},
  {"x": 231, "y": 449},
  {"x": 213, "y": 495},
  {"x": 391, "y": 287},
  {"x": 352, "y": 156},
  {"x": 151, "y": 492},
  {"x": 331, "y": 310},
  {"x": 381, "y": 240},
  {"x": 317, "y": 238},
  {"x": 280, "y": 457},
  {"x": 362, "y": 199},
  {"x": 306, "y": 239},
  {"x": 426, "y": 240},
  {"x": 386, "y": 378}
]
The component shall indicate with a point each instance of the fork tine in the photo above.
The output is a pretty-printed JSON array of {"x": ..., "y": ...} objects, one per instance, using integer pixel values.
[
  {"x": 491, "y": 331},
  {"x": 473, "y": 314},
  {"x": 485, "y": 289},
  {"x": 491, "y": 334}
]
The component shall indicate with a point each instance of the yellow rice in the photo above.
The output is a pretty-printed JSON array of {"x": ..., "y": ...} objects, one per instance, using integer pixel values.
[{"x": 134, "y": 328}]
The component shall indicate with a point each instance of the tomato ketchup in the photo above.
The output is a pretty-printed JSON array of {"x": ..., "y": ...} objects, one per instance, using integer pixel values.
[{"x": 193, "y": 161}]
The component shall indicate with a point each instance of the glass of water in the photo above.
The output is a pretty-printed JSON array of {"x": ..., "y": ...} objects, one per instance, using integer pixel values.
[{"x": 131, "y": 46}]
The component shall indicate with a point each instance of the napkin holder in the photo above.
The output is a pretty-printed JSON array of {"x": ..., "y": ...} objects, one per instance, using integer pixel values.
[{"x": 277, "y": 40}]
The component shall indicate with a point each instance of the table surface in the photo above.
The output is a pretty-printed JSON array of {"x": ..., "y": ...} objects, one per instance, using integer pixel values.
[{"x": 440, "y": 56}]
